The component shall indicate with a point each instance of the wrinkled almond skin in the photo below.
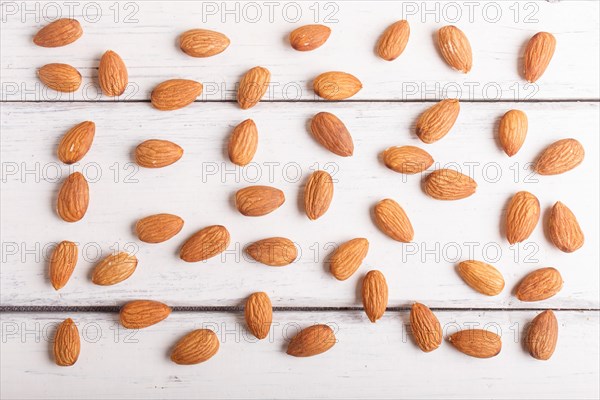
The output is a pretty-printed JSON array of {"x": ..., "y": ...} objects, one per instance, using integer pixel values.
[
  {"x": 205, "y": 244},
  {"x": 309, "y": 37},
  {"x": 196, "y": 347},
  {"x": 522, "y": 216},
  {"x": 158, "y": 228},
  {"x": 542, "y": 335},
  {"x": 425, "y": 327},
  {"x": 435, "y": 122},
  {"x": 112, "y": 74},
  {"x": 73, "y": 198},
  {"x": 512, "y": 131},
  {"x": 311, "y": 341},
  {"x": 58, "y": 33},
  {"x": 393, "y": 40},
  {"x": 62, "y": 263},
  {"x": 60, "y": 77},
  {"x": 477, "y": 343},
  {"x": 75, "y": 144},
  {"x": 275, "y": 251},
  {"x": 114, "y": 269},
  {"x": 175, "y": 94},
  {"x": 66, "y": 344},
  {"x": 155, "y": 153},
  {"x": 407, "y": 159},
  {"x": 255, "y": 201},
  {"x": 140, "y": 314},
  {"x": 455, "y": 48},
  {"x": 318, "y": 194},
  {"x": 331, "y": 132},
  {"x": 374, "y": 295},
  {"x": 336, "y": 85},
  {"x": 448, "y": 184},
  {"x": 243, "y": 143},
  {"x": 393, "y": 221},
  {"x": 540, "y": 284},
  {"x": 538, "y": 53},
  {"x": 559, "y": 157},
  {"x": 563, "y": 229},
  {"x": 259, "y": 314},
  {"x": 253, "y": 86},
  {"x": 203, "y": 43},
  {"x": 482, "y": 277},
  {"x": 348, "y": 257}
]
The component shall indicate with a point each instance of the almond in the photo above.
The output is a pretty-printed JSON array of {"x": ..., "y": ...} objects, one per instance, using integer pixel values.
[
  {"x": 243, "y": 143},
  {"x": 195, "y": 347},
  {"x": 155, "y": 153},
  {"x": 75, "y": 144},
  {"x": 374, "y": 295},
  {"x": 477, "y": 343},
  {"x": 62, "y": 263},
  {"x": 253, "y": 86},
  {"x": 58, "y": 33},
  {"x": 538, "y": 54},
  {"x": 455, "y": 48},
  {"x": 175, "y": 93},
  {"x": 335, "y": 85},
  {"x": 542, "y": 336},
  {"x": 331, "y": 132},
  {"x": 393, "y": 221},
  {"x": 522, "y": 216},
  {"x": 311, "y": 341},
  {"x": 393, "y": 41},
  {"x": 482, "y": 277},
  {"x": 73, "y": 198},
  {"x": 112, "y": 74},
  {"x": 158, "y": 228},
  {"x": 60, "y": 77},
  {"x": 448, "y": 184},
  {"x": 309, "y": 37},
  {"x": 540, "y": 284},
  {"x": 205, "y": 244},
  {"x": 66, "y": 344},
  {"x": 140, "y": 314},
  {"x": 559, "y": 157},
  {"x": 255, "y": 201},
  {"x": 425, "y": 327},
  {"x": 512, "y": 131},
  {"x": 259, "y": 314},
  {"x": 275, "y": 251},
  {"x": 114, "y": 269},
  {"x": 346, "y": 259},
  {"x": 437, "y": 120},
  {"x": 203, "y": 43},
  {"x": 407, "y": 159},
  {"x": 318, "y": 194},
  {"x": 563, "y": 229}
]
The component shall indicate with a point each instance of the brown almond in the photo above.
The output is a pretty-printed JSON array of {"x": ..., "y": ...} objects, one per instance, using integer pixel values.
[
  {"x": 58, "y": 33},
  {"x": 311, "y": 341},
  {"x": 205, "y": 244},
  {"x": 407, "y": 159},
  {"x": 112, "y": 74},
  {"x": 73, "y": 198},
  {"x": 374, "y": 295},
  {"x": 253, "y": 86},
  {"x": 203, "y": 42},
  {"x": 435, "y": 122},
  {"x": 66, "y": 344},
  {"x": 75, "y": 144},
  {"x": 331, "y": 132},
  {"x": 114, "y": 269},
  {"x": 348, "y": 257},
  {"x": 482, "y": 277},
  {"x": 455, "y": 48},
  {"x": 393, "y": 40},
  {"x": 477, "y": 343},
  {"x": 155, "y": 153},
  {"x": 275, "y": 251},
  {"x": 318, "y": 194},
  {"x": 540, "y": 284},
  {"x": 140, "y": 314},
  {"x": 243, "y": 143},
  {"x": 559, "y": 157},
  {"x": 563, "y": 229},
  {"x": 158, "y": 228},
  {"x": 175, "y": 94},
  {"x": 309, "y": 37},
  {"x": 259, "y": 314},
  {"x": 448, "y": 184},
  {"x": 426, "y": 328},
  {"x": 60, "y": 77},
  {"x": 512, "y": 131},
  {"x": 522, "y": 216},
  {"x": 196, "y": 347},
  {"x": 336, "y": 85},
  {"x": 393, "y": 221},
  {"x": 62, "y": 263},
  {"x": 255, "y": 201},
  {"x": 542, "y": 335},
  {"x": 538, "y": 53}
]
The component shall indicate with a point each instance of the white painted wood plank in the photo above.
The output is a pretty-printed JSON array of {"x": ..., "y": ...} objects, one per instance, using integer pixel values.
[
  {"x": 145, "y": 35},
  {"x": 446, "y": 232}
]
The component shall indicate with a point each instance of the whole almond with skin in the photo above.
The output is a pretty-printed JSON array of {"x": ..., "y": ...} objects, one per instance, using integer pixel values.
[
  {"x": 205, "y": 244},
  {"x": 158, "y": 228},
  {"x": 538, "y": 54},
  {"x": 255, "y": 201},
  {"x": 542, "y": 336},
  {"x": 407, "y": 159},
  {"x": 336, "y": 85},
  {"x": 477, "y": 343},
  {"x": 559, "y": 157},
  {"x": 393, "y": 221},
  {"x": 540, "y": 284},
  {"x": 155, "y": 153},
  {"x": 437, "y": 120},
  {"x": 60, "y": 77},
  {"x": 112, "y": 74},
  {"x": 253, "y": 86},
  {"x": 522, "y": 216},
  {"x": 348, "y": 257},
  {"x": 58, "y": 33},
  {"x": 114, "y": 269},
  {"x": 140, "y": 314},
  {"x": 62, "y": 263},
  {"x": 259, "y": 314},
  {"x": 425, "y": 327},
  {"x": 374, "y": 295},
  {"x": 75, "y": 144},
  {"x": 203, "y": 42},
  {"x": 175, "y": 94},
  {"x": 309, "y": 37},
  {"x": 311, "y": 341},
  {"x": 275, "y": 251},
  {"x": 318, "y": 194},
  {"x": 66, "y": 344},
  {"x": 448, "y": 184},
  {"x": 563, "y": 229},
  {"x": 393, "y": 41},
  {"x": 73, "y": 198},
  {"x": 196, "y": 347},
  {"x": 455, "y": 48},
  {"x": 243, "y": 143},
  {"x": 482, "y": 277},
  {"x": 512, "y": 131},
  {"x": 331, "y": 132}
]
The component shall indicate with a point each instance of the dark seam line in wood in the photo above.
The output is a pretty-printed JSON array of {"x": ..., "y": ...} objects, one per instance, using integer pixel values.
[{"x": 592, "y": 100}]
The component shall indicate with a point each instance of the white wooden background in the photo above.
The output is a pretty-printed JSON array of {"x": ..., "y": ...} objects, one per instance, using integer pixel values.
[{"x": 369, "y": 361}]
